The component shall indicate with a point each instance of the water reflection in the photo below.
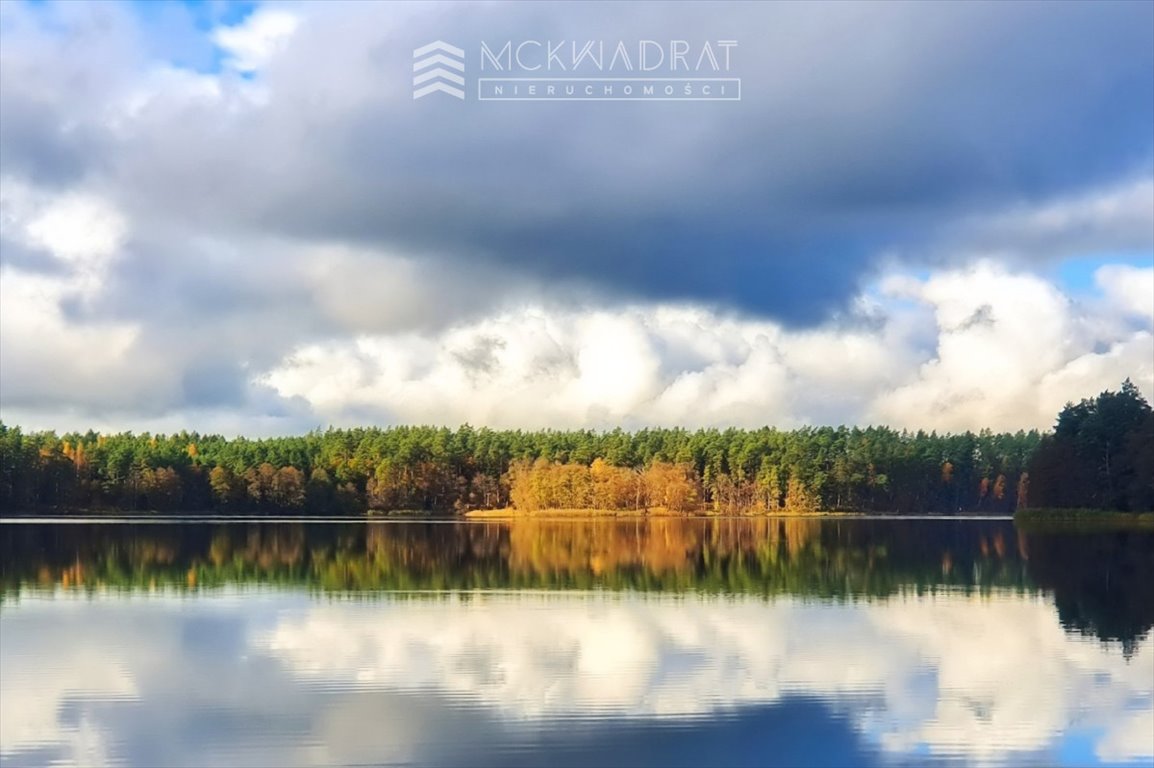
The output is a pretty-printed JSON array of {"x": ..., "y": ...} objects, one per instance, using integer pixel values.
[
  {"x": 747, "y": 555},
  {"x": 706, "y": 642},
  {"x": 1099, "y": 579},
  {"x": 268, "y": 678}
]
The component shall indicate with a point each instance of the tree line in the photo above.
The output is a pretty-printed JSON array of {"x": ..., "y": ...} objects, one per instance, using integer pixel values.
[{"x": 1099, "y": 455}]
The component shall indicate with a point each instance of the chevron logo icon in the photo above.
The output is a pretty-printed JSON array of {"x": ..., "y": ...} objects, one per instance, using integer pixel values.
[{"x": 438, "y": 67}]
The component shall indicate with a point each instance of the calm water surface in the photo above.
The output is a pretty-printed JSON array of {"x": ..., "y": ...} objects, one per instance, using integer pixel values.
[{"x": 616, "y": 642}]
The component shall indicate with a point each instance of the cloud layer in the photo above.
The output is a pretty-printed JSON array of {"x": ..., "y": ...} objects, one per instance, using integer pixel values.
[
  {"x": 284, "y": 337},
  {"x": 976, "y": 346},
  {"x": 829, "y": 158},
  {"x": 247, "y": 223}
]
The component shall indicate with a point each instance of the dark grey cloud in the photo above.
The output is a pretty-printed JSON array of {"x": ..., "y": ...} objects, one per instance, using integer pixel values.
[
  {"x": 33, "y": 143},
  {"x": 479, "y": 358},
  {"x": 983, "y": 316},
  {"x": 59, "y": 64},
  {"x": 218, "y": 383},
  {"x": 861, "y": 128},
  {"x": 29, "y": 259},
  {"x": 860, "y": 138}
]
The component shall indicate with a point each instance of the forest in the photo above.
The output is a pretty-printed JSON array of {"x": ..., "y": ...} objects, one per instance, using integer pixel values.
[{"x": 1100, "y": 455}]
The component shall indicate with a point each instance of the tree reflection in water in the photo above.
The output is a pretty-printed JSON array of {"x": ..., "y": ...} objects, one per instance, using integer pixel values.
[{"x": 1101, "y": 581}]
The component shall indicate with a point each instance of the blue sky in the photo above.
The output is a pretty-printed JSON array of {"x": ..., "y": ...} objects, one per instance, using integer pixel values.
[
  {"x": 260, "y": 174},
  {"x": 1076, "y": 274}
]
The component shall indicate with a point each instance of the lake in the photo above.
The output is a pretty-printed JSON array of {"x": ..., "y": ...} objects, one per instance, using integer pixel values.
[{"x": 796, "y": 641}]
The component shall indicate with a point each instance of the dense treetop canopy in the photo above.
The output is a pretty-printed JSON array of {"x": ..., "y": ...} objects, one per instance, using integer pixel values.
[{"x": 1100, "y": 455}]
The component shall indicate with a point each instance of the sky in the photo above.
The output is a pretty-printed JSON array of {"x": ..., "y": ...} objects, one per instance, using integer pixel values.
[{"x": 235, "y": 217}]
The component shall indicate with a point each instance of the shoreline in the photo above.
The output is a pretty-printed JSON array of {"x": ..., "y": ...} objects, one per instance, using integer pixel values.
[
  {"x": 1031, "y": 518},
  {"x": 1074, "y": 518},
  {"x": 510, "y": 513}
]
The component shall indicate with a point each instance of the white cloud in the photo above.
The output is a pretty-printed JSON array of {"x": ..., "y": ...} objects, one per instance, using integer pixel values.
[
  {"x": 1012, "y": 350},
  {"x": 663, "y": 364},
  {"x": 45, "y": 354},
  {"x": 1130, "y": 288},
  {"x": 253, "y": 43},
  {"x": 80, "y": 229},
  {"x": 172, "y": 95},
  {"x": 1009, "y": 350}
]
